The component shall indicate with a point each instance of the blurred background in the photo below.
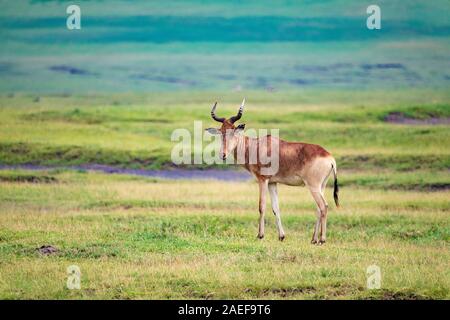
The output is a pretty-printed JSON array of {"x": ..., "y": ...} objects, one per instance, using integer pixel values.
[{"x": 145, "y": 46}]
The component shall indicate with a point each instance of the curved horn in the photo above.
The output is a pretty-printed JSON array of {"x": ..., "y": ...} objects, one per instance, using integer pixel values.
[
  {"x": 239, "y": 115},
  {"x": 213, "y": 114}
]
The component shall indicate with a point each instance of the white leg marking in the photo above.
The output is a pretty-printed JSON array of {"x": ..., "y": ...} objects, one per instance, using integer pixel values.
[
  {"x": 322, "y": 208},
  {"x": 323, "y": 221},
  {"x": 276, "y": 209},
  {"x": 315, "y": 237}
]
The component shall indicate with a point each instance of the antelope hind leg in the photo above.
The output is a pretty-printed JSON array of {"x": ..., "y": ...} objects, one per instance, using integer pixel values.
[{"x": 321, "y": 217}]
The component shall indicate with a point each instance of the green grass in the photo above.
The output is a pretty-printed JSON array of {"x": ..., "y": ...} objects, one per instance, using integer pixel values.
[
  {"x": 136, "y": 237},
  {"x": 135, "y": 132},
  {"x": 131, "y": 241}
]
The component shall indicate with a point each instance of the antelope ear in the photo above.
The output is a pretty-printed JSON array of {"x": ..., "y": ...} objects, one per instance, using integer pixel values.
[
  {"x": 240, "y": 128},
  {"x": 213, "y": 130}
]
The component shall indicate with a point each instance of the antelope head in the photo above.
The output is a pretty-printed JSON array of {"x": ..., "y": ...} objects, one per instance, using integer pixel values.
[{"x": 229, "y": 132}]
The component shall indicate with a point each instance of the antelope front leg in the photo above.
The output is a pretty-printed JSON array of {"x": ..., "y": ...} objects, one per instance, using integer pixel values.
[
  {"x": 276, "y": 209},
  {"x": 262, "y": 206}
]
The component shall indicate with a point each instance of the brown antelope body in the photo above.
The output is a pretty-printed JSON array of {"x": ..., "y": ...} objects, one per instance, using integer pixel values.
[{"x": 298, "y": 164}]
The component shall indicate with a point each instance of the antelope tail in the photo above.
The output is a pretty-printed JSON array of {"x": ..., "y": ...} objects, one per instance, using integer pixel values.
[{"x": 336, "y": 186}]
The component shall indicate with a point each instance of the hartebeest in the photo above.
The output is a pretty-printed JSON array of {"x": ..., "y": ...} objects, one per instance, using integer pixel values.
[{"x": 299, "y": 164}]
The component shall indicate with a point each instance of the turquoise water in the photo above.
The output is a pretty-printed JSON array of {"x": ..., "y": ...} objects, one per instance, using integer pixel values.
[{"x": 225, "y": 45}]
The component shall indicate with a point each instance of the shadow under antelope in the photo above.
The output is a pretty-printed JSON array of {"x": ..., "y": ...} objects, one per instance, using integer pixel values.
[{"x": 298, "y": 164}]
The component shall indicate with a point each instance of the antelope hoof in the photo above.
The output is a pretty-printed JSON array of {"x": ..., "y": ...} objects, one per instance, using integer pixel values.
[
  {"x": 260, "y": 236},
  {"x": 321, "y": 242},
  {"x": 314, "y": 241},
  {"x": 281, "y": 237}
]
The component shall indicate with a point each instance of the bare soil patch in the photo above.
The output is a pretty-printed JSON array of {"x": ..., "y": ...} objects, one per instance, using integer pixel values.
[
  {"x": 47, "y": 250},
  {"x": 400, "y": 118}
]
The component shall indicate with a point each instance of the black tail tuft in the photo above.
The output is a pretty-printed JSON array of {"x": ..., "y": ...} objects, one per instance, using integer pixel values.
[
  {"x": 336, "y": 186},
  {"x": 336, "y": 192}
]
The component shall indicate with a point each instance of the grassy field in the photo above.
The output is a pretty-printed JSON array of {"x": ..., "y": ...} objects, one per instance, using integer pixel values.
[
  {"x": 132, "y": 241},
  {"x": 136, "y": 237},
  {"x": 134, "y": 130}
]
